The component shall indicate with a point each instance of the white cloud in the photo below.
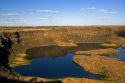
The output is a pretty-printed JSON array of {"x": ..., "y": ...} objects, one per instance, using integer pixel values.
[
  {"x": 91, "y": 8},
  {"x": 6, "y": 22},
  {"x": 59, "y": 18},
  {"x": 47, "y": 19},
  {"x": 16, "y": 19},
  {"x": 102, "y": 10},
  {"x": 106, "y": 11},
  {"x": 23, "y": 20},
  {"x": 47, "y": 11},
  {"x": 104, "y": 17},
  {"x": 82, "y": 9},
  {"x": 10, "y": 14},
  {"x": 13, "y": 23},
  {"x": 12, "y": 18},
  {"x": 99, "y": 10},
  {"x": 43, "y": 18}
]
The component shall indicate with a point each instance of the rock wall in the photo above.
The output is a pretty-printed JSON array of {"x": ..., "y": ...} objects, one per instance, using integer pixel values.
[{"x": 24, "y": 38}]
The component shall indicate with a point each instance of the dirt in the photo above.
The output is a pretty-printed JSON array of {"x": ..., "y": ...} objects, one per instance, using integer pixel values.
[
  {"x": 103, "y": 52},
  {"x": 23, "y": 38},
  {"x": 113, "y": 69},
  {"x": 29, "y": 37}
]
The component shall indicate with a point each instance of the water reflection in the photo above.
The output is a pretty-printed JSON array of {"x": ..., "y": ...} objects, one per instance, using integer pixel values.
[
  {"x": 59, "y": 67},
  {"x": 55, "y": 51},
  {"x": 120, "y": 55},
  {"x": 56, "y": 62}
]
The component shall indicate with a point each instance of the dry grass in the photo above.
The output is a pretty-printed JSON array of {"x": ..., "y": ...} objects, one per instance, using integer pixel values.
[
  {"x": 81, "y": 80},
  {"x": 119, "y": 41},
  {"x": 65, "y": 44},
  {"x": 112, "y": 68},
  {"x": 18, "y": 60},
  {"x": 106, "y": 52},
  {"x": 108, "y": 45}
]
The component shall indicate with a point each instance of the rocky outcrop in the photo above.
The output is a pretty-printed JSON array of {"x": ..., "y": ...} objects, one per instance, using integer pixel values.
[
  {"x": 15, "y": 41},
  {"x": 24, "y": 38}
]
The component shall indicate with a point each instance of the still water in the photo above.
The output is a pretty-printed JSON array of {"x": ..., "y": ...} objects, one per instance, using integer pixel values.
[
  {"x": 55, "y": 62},
  {"x": 120, "y": 55}
]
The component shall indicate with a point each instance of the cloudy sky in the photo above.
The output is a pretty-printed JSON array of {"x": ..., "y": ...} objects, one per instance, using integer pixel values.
[{"x": 62, "y": 12}]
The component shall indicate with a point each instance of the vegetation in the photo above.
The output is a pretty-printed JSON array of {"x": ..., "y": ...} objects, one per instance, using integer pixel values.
[
  {"x": 108, "y": 45},
  {"x": 18, "y": 60},
  {"x": 105, "y": 74},
  {"x": 110, "y": 68},
  {"x": 28, "y": 37},
  {"x": 65, "y": 44},
  {"x": 102, "y": 52}
]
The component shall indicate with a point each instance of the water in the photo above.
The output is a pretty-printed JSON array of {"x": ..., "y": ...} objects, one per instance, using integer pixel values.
[
  {"x": 52, "y": 67},
  {"x": 54, "y": 51},
  {"x": 120, "y": 55},
  {"x": 55, "y": 62}
]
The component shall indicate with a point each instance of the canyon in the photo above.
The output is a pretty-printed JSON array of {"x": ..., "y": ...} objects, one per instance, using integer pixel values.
[{"x": 14, "y": 41}]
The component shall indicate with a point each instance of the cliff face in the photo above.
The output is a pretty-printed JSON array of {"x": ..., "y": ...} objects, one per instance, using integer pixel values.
[
  {"x": 14, "y": 41},
  {"x": 34, "y": 37}
]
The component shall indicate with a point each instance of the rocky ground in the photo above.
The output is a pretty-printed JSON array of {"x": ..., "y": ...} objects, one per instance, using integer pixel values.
[{"x": 20, "y": 39}]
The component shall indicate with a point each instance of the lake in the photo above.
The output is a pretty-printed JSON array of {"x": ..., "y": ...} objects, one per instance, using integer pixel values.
[{"x": 55, "y": 62}]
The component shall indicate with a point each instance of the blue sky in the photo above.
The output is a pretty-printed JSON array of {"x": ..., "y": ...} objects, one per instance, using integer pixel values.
[{"x": 62, "y": 12}]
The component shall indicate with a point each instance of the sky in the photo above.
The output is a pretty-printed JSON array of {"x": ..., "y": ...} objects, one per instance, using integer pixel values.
[{"x": 61, "y": 12}]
